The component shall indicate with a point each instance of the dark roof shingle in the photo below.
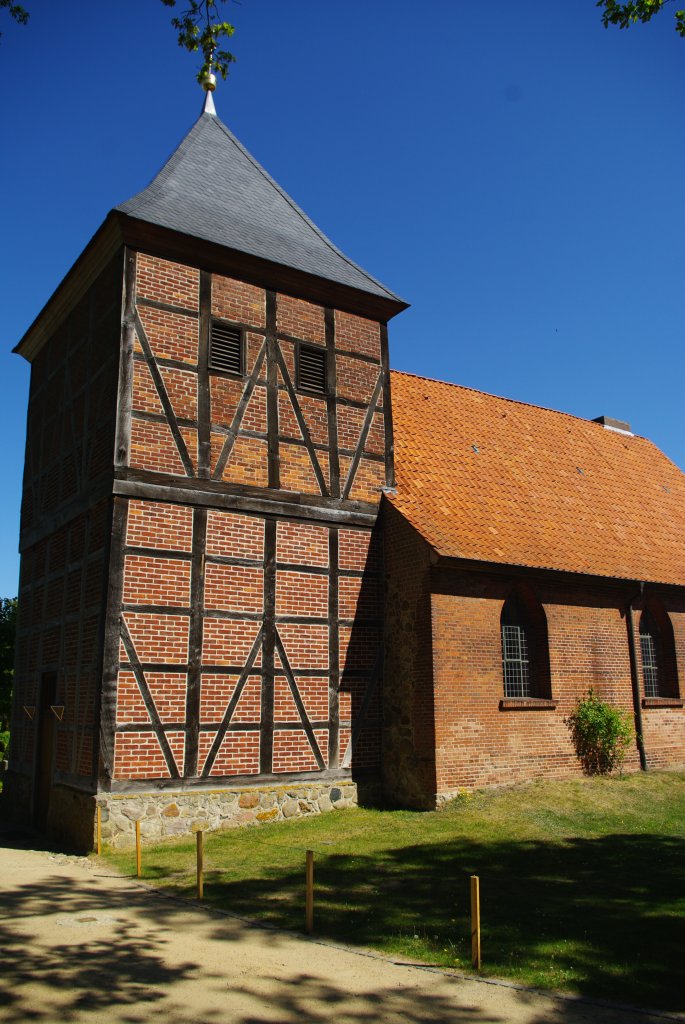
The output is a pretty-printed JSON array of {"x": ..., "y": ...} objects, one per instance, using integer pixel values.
[{"x": 211, "y": 188}]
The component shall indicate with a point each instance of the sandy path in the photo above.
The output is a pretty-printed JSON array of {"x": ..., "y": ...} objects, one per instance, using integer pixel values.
[{"x": 82, "y": 944}]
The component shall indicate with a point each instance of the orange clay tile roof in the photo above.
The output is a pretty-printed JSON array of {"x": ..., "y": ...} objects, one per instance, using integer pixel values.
[{"x": 496, "y": 480}]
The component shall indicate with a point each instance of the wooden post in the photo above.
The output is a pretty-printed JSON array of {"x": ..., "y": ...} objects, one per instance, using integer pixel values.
[
  {"x": 200, "y": 864},
  {"x": 138, "y": 859},
  {"x": 98, "y": 840},
  {"x": 309, "y": 903},
  {"x": 475, "y": 922}
]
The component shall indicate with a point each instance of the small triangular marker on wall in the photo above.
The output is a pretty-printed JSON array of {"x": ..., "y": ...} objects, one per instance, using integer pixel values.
[
  {"x": 30, "y": 710},
  {"x": 58, "y": 711}
]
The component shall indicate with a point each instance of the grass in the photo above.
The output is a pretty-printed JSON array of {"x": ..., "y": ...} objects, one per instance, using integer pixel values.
[{"x": 582, "y": 882}]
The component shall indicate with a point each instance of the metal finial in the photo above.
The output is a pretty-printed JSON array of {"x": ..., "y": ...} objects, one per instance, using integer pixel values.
[
  {"x": 208, "y": 106},
  {"x": 209, "y": 78}
]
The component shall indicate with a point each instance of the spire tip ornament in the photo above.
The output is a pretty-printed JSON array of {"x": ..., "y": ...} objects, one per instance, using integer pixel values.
[
  {"x": 208, "y": 83},
  {"x": 208, "y": 105}
]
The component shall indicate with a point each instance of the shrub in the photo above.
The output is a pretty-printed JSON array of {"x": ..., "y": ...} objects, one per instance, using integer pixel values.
[{"x": 601, "y": 734}]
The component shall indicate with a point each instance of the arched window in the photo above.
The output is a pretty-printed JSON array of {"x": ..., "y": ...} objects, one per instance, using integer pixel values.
[
  {"x": 525, "y": 654},
  {"x": 659, "y": 665},
  {"x": 649, "y": 643}
]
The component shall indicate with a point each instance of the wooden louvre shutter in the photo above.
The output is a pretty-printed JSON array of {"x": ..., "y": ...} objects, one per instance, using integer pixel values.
[
  {"x": 311, "y": 370},
  {"x": 226, "y": 348}
]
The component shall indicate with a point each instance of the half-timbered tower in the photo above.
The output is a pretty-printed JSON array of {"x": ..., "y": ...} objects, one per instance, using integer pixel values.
[{"x": 208, "y": 439}]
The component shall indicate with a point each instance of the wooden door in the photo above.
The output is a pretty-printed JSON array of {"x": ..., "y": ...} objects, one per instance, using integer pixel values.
[{"x": 44, "y": 754}]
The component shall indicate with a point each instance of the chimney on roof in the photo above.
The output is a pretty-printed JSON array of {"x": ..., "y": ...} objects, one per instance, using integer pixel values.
[{"x": 620, "y": 426}]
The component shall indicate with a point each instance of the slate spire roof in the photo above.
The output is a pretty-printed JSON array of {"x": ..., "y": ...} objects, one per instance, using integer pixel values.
[{"x": 212, "y": 189}]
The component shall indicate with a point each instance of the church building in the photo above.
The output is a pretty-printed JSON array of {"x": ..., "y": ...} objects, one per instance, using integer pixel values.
[{"x": 262, "y": 576}]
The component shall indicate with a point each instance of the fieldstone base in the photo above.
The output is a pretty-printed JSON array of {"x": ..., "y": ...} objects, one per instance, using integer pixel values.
[
  {"x": 71, "y": 817},
  {"x": 176, "y": 813}
]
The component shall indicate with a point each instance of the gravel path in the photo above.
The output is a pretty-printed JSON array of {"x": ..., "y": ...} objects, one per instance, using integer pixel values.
[{"x": 80, "y": 943}]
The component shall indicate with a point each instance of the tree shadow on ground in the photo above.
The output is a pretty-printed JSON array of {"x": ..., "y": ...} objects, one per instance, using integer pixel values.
[
  {"x": 305, "y": 997},
  {"x": 118, "y": 968},
  {"x": 607, "y": 914},
  {"x": 99, "y": 962},
  {"x": 126, "y": 974},
  {"x": 75, "y": 949}
]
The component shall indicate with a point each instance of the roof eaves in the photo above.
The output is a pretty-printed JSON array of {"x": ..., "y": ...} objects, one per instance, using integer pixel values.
[
  {"x": 175, "y": 245},
  {"x": 492, "y": 565}
]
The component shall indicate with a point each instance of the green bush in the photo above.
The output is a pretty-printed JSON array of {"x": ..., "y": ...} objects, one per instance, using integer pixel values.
[
  {"x": 4, "y": 744},
  {"x": 601, "y": 734}
]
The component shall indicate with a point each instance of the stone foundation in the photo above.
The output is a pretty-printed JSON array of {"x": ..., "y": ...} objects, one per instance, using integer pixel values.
[
  {"x": 71, "y": 818},
  {"x": 175, "y": 813}
]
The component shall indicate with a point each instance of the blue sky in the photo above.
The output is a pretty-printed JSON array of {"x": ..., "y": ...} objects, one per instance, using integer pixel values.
[{"x": 510, "y": 168}]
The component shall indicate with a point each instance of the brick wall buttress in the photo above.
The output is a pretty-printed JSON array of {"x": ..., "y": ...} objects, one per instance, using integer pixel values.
[{"x": 409, "y": 760}]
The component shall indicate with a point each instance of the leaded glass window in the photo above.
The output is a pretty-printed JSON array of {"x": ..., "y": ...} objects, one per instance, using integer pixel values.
[
  {"x": 515, "y": 660},
  {"x": 525, "y": 652},
  {"x": 649, "y": 644}
]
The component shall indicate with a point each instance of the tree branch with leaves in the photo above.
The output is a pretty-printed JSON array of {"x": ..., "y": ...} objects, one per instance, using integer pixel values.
[
  {"x": 16, "y": 11},
  {"x": 200, "y": 28},
  {"x": 626, "y": 14}
]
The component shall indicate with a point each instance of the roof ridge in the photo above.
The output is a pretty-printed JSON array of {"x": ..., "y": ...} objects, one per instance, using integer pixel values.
[
  {"x": 300, "y": 212},
  {"x": 512, "y": 401}
]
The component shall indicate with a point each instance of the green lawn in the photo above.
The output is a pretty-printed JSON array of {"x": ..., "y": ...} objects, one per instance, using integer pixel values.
[{"x": 582, "y": 882}]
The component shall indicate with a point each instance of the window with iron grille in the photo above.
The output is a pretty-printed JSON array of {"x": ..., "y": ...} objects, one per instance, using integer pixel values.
[
  {"x": 525, "y": 646},
  {"x": 311, "y": 369},
  {"x": 650, "y": 664},
  {"x": 651, "y": 655},
  {"x": 515, "y": 661},
  {"x": 226, "y": 348}
]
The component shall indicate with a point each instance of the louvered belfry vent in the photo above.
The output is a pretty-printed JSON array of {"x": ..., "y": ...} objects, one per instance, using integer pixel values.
[
  {"x": 226, "y": 348},
  {"x": 311, "y": 369}
]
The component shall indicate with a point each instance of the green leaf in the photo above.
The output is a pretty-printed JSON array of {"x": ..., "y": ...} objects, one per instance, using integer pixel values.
[{"x": 200, "y": 28}]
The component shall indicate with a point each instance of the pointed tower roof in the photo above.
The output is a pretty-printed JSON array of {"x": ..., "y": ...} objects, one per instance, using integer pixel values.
[
  {"x": 213, "y": 205},
  {"x": 212, "y": 189}
]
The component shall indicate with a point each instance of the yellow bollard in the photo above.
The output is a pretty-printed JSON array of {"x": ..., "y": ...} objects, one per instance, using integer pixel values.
[
  {"x": 200, "y": 864},
  {"x": 138, "y": 858},
  {"x": 475, "y": 922},
  {"x": 309, "y": 903}
]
